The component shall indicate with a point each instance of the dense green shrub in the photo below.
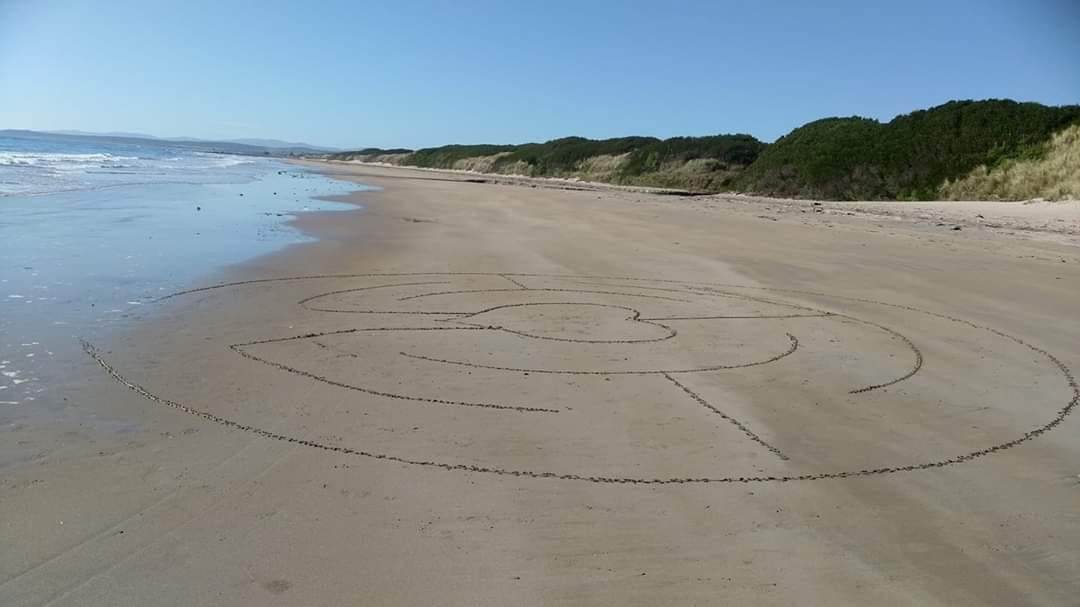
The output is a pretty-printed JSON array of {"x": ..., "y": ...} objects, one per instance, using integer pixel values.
[
  {"x": 637, "y": 160},
  {"x": 444, "y": 157},
  {"x": 562, "y": 157},
  {"x": 909, "y": 157},
  {"x": 906, "y": 158},
  {"x": 727, "y": 149}
]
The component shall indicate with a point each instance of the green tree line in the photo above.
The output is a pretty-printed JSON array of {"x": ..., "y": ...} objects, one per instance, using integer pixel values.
[{"x": 909, "y": 157}]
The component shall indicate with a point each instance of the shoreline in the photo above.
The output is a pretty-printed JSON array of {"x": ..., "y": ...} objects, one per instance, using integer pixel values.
[
  {"x": 42, "y": 363},
  {"x": 259, "y": 520}
]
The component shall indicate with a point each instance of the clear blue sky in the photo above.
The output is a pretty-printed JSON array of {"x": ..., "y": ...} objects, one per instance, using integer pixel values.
[{"x": 400, "y": 73}]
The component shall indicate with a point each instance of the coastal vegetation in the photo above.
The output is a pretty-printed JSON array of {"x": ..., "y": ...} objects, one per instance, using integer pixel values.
[
  {"x": 699, "y": 163},
  {"x": 909, "y": 157},
  {"x": 961, "y": 149},
  {"x": 1052, "y": 175}
]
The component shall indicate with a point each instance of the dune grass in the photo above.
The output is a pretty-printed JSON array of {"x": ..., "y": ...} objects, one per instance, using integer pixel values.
[{"x": 1053, "y": 175}]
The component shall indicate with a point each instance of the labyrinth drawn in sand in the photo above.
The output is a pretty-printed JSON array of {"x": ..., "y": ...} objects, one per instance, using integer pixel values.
[{"x": 640, "y": 381}]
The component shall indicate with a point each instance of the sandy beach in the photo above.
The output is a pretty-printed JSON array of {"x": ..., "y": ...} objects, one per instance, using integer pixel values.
[{"x": 538, "y": 393}]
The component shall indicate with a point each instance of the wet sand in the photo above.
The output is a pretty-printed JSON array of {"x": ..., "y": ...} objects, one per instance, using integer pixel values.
[{"x": 477, "y": 393}]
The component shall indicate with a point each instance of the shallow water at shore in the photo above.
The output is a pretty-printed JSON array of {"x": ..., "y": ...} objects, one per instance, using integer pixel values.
[{"x": 78, "y": 264}]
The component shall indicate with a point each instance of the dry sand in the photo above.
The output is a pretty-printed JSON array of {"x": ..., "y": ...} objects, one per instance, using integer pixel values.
[{"x": 498, "y": 394}]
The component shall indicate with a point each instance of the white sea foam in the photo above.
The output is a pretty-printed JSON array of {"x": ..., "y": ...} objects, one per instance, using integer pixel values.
[
  {"x": 29, "y": 159},
  {"x": 34, "y": 172},
  {"x": 222, "y": 161}
]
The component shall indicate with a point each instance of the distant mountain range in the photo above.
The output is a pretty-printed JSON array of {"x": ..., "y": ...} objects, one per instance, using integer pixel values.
[{"x": 253, "y": 147}]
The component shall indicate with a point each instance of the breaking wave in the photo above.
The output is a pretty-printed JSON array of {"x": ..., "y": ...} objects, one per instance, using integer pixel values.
[{"x": 59, "y": 167}]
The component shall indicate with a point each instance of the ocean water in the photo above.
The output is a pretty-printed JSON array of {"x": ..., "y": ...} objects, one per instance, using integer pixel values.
[
  {"x": 46, "y": 165},
  {"x": 91, "y": 232}
]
